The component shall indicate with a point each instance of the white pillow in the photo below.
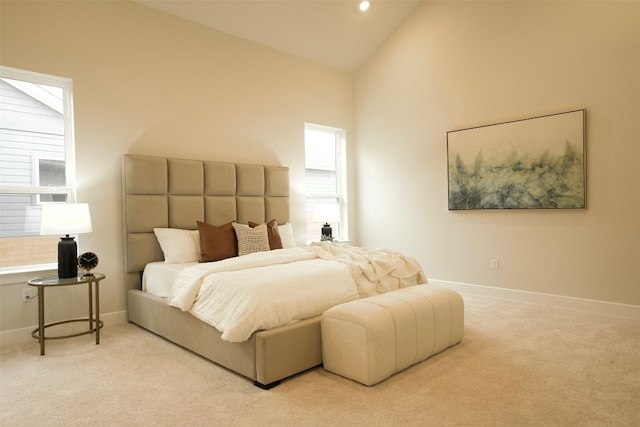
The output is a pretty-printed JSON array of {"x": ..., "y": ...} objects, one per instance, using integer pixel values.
[
  {"x": 286, "y": 235},
  {"x": 251, "y": 240},
  {"x": 179, "y": 245}
]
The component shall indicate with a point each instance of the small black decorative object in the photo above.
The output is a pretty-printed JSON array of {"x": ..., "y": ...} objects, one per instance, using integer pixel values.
[
  {"x": 326, "y": 231},
  {"x": 88, "y": 261}
]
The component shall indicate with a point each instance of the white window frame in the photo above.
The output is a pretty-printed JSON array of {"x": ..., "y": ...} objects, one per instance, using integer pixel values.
[
  {"x": 69, "y": 142},
  {"x": 341, "y": 177}
]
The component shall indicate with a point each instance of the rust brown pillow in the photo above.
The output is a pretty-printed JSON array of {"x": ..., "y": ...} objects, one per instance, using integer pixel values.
[
  {"x": 217, "y": 243},
  {"x": 272, "y": 232}
]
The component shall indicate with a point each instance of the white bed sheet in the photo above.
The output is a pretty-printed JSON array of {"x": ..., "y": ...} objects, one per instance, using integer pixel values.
[{"x": 158, "y": 277}]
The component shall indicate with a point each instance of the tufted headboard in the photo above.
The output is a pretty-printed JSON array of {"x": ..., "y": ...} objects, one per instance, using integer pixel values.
[{"x": 161, "y": 192}]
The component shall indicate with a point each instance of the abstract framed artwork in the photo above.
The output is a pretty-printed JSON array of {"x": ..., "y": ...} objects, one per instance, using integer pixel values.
[{"x": 535, "y": 163}]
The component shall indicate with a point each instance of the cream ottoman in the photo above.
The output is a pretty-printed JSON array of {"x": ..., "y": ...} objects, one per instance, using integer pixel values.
[{"x": 370, "y": 339}]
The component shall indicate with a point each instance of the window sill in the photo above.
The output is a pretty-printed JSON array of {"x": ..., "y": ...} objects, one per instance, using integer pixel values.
[{"x": 22, "y": 273}]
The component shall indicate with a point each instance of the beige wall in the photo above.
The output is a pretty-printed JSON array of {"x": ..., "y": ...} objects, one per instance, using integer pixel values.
[
  {"x": 455, "y": 65},
  {"x": 149, "y": 83}
]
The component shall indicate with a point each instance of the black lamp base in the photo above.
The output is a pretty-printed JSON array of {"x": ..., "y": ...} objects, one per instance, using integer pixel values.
[
  {"x": 326, "y": 230},
  {"x": 67, "y": 258}
]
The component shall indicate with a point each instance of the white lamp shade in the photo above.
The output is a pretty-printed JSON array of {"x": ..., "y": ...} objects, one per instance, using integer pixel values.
[
  {"x": 329, "y": 213},
  {"x": 65, "y": 218}
]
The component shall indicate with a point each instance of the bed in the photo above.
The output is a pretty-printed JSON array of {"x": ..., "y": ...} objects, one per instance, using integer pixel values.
[{"x": 180, "y": 194}]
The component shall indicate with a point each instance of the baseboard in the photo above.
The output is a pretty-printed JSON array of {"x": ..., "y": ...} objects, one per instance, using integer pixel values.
[
  {"x": 603, "y": 307},
  {"x": 23, "y": 335}
]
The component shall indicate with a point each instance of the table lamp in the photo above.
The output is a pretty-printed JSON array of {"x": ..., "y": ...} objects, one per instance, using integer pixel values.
[{"x": 66, "y": 218}]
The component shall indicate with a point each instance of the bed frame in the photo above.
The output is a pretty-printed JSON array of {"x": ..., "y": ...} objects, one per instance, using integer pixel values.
[{"x": 166, "y": 192}]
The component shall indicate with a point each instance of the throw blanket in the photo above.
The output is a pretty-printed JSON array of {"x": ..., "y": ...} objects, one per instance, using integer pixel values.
[
  {"x": 375, "y": 270},
  {"x": 265, "y": 290}
]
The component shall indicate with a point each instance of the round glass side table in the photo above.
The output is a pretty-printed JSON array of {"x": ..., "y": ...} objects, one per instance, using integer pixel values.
[{"x": 53, "y": 281}]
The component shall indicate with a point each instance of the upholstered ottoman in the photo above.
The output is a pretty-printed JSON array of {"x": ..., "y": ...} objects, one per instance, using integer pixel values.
[{"x": 370, "y": 339}]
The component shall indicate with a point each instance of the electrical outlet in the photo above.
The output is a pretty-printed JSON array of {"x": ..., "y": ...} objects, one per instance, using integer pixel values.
[
  {"x": 28, "y": 294},
  {"x": 495, "y": 264}
]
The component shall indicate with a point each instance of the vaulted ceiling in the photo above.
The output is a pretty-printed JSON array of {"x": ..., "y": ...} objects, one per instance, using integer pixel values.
[{"x": 331, "y": 32}]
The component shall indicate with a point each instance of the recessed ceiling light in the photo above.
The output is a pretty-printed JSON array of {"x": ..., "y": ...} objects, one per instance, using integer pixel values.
[{"x": 364, "y": 6}]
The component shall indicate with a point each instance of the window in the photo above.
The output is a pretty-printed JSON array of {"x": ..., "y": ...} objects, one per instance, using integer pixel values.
[
  {"x": 325, "y": 179},
  {"x": 36, "y": 162}
]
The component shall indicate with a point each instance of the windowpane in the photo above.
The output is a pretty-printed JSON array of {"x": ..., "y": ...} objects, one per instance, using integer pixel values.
[
  {"x": 46, "y": 198},
  {"x": 28, "y": 250},
  {"x": 35, "y": 161},
  {"x": 321, "y": 181},
  {"x": 52, "y": 173},
  {"x": 324, "y": 170},
  {"x": 320, "y": 150},
  {"x": 315, "y": 222},
  {"x": 20, "y": 213}
]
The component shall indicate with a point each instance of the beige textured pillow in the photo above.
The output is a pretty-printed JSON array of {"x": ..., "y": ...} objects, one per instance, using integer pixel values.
[
  {"x": 272, "y": 233},
  {"x": 217, "y": 243},
  {"x": 251, "y": 240}
]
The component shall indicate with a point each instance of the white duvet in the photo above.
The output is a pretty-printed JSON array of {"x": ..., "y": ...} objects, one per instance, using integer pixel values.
[{"x": 265, "y": 290}]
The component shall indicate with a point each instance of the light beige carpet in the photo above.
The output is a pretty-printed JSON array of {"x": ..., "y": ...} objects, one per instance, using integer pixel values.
[{"x": 519, "y": 365}]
